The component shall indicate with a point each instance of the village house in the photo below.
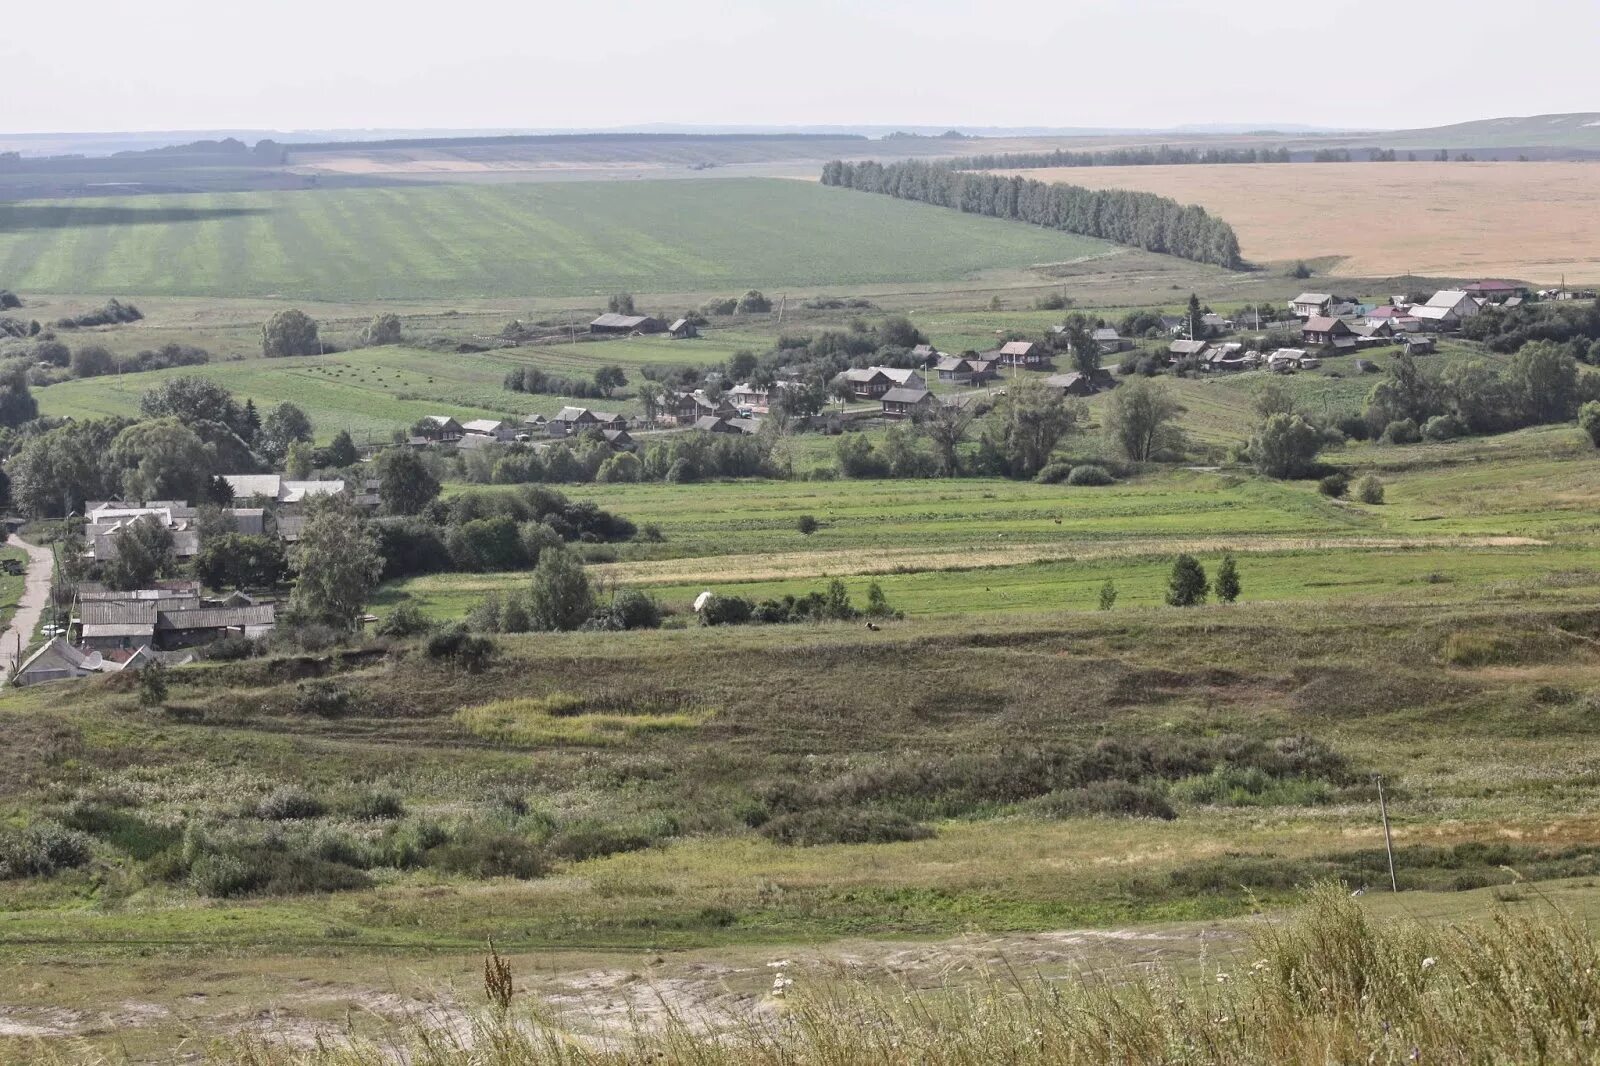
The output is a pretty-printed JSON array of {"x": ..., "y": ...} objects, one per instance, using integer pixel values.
[
  {"x": 908, "y": 379},
  {"x": 570, "y": 421},
  {"x": 493, "y": 428},
  {"x": 1179, "y": 350},
  {"x": 1110, "y": 341},
  {"x": 1286, "y": 359},
  {"x": 718, "y": 424},
  {"x": 1021, "y": 355},
  {"x": 1446, "y": 310},
  {"x": 618, "y": 439},
  {"x": 684, "y": 408},
  {"x": 440, "y": 428},
  {"x": 1494, "y": 291},
  {"x": 536, "y": 423},
  {"x": 1385, "y": 315},
  {"x": 1417, "y": 344},
  {"x": 926, "y": 355},
  {"x": 1321, "y": 330},
  {"x": 907, "y": 402},
  {"x": 625, "y": 324},
  {"x": 1311, "y": 304},
  {"x": 683, "y": 329},
  {"x": 286, "y": 492},
  {"x": 965, "y": 370},
  {"x": 1076, "y": 383},
  {"x": 867, "y": 383}
]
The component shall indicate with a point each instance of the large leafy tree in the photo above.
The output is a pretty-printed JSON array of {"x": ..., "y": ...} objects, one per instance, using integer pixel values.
[
  {"x": 406, "y": 485},
  {"x": 191, "y": 398},
  {"x": 17, "y": 404},
  {"x": 1286, "y": 446},
  {"x": 289, "y": 332},
  {"x": 241, "y": 560},
  {"x": 1139, "y": 420},
  {"x": 337, "y": 565},
  {"x": 1543, "y": 377},
  {"x": 57, "y": 471},
  {"x": 1030, "y": 422},
  {"x": 284, "y": 425},
  {"x": 560, "y": 598},
  {"x": 163, "y": 460},
  {"x": 144, "y": 553}
]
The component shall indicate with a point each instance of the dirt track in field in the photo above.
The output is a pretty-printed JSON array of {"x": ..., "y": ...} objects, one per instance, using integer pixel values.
[{"x": 1529, "y": 221}]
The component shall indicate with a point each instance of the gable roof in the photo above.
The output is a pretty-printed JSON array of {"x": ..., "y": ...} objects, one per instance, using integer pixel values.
[
  {"x": 611, "y": 320},
  {"x": 1324, "y": 324},
  {"x": 263, "y": 614},
  {"x": 1018, "y": 347},
  {"x": 573, "y": 414},
  {"x": 900, "y": 377},
  {"x": 905, "y": 395},
  {"x": 483, "y": 425},
  {"x": 677, "y": 324},
  {"x": 1448, "y": 298},
  {"x": 1187, "y": 347},
  {"x": 1313, "y": 298}
]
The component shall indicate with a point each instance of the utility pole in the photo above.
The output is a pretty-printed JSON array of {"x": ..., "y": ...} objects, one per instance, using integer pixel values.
[{"x": 1388, "y": 841}]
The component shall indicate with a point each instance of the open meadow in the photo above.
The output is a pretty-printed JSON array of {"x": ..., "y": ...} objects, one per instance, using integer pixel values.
[
  {"x": 1531, "y": 221},
  {"x": 527, "y": 240}
]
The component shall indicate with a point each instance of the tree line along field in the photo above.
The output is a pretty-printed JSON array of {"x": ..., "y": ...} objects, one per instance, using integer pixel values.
[{"x": 527, "y": 240}]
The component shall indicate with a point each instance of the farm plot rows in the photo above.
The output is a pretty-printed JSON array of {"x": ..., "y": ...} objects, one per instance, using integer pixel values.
[{"x": 566, "y": 239}]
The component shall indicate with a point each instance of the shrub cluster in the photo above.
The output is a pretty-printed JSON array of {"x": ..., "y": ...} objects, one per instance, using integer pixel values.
[
  {"x": 832, "y": 605},
  {"x": 115, "y": 312}
]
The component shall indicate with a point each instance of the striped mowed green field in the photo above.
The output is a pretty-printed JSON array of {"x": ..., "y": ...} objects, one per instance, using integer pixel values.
[{"x": 548, "y": 239}]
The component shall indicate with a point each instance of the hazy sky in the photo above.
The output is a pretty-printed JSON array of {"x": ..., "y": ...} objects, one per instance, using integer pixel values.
[{"x": 281, "y": 64}]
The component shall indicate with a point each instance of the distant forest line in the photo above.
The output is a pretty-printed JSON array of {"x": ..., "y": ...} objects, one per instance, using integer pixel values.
[{"x": 1140, "y": 219}]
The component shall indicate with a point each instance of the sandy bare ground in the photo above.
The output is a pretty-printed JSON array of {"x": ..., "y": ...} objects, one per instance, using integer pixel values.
[
  {"x": 846, "y": 562},
  {"x": 594, "y": 1000},
  {"x": 35, "y": 595},
  {"x": 1530, "y": 221}
]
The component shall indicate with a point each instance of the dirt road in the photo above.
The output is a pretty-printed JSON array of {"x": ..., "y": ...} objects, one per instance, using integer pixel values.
[{"x": 35, "y": 595}]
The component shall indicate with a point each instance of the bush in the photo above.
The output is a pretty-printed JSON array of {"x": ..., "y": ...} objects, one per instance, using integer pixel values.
[
  {"x": 849, "y": 825},
  {"x": 1053, "y": 473},
  {"x": 1089, "y": 475},
  {"x": 42, "y": 849},
  {"x": 460, "y": 648},
  {"x": 806, "y": 524},
  {"x": 406, "y": 620},
  {"x": 1403, "y": 431},
  {"x": 1229, "y": 786},
  {"x": 1120, "y": 799},
  {"x": 231, "y": 648},
  {"x": 726, "y": 611},
  {"x": 1369, "y": 490},
  {"x": 491, "y": 853},
  {"x": 289, "y": 803},
  {"x": 1335, "y": 485},
  {"x": 1441, "y": 427},
  {"x": 320, "y": 697},
  {"x": 1589, "y": 421},
  {"x": 592, "y": 839},
  {"x": 376, "y": 805},
  {"x": 629, "y": 609}
]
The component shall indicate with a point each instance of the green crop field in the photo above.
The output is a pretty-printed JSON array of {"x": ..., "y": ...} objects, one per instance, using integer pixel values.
[{"x": 560, "y": 239}]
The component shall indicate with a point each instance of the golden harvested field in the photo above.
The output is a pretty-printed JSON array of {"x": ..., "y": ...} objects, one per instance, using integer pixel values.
[{"x": 1529, "y": 221}]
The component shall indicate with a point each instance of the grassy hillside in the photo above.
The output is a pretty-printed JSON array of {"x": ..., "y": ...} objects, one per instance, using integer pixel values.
[{"x": 524, "y": 240}]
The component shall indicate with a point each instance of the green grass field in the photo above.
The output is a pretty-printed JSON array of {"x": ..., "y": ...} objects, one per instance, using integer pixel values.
[{"x": 562, "y": 239}]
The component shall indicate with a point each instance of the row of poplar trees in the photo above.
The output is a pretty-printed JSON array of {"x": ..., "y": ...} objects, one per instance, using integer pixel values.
[{"x": 1141, "y": 219}]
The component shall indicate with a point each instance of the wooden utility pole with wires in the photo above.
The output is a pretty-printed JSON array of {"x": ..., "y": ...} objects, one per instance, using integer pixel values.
[{"x": 1388, "y": 840}]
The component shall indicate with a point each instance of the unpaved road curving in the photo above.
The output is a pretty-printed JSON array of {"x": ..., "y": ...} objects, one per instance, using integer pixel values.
[{"x": 35, "y": 595}]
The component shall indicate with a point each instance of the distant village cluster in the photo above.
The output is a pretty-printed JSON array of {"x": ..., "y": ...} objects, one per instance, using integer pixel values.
[{"x": 106, "y": 630}]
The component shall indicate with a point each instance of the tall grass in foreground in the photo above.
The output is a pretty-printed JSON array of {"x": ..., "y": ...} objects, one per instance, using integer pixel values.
[{"x": 1326, "y": 986}]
